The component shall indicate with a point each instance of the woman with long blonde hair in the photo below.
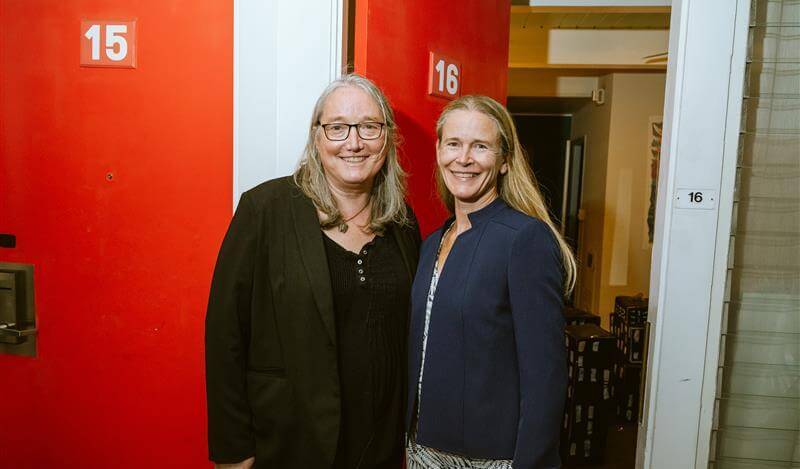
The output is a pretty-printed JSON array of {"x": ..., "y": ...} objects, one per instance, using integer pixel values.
[{"x": 487, "y": 365}]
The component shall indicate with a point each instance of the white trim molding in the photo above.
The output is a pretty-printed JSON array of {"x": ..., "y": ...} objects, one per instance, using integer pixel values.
[
  {"x": 285, "y": 53},
  {"x": 726, "y": 196},
  {"x": 701, "y": 112}
]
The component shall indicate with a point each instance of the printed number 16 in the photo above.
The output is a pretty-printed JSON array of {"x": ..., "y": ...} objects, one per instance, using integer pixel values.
[{"x": 452, "y": 77}]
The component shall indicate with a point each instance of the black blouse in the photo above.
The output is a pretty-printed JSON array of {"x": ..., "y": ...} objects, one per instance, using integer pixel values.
[{"x": 371, "y": 303}]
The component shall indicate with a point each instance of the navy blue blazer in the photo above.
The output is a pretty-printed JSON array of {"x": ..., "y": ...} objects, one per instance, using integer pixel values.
[{"x": 495, "y": 373}]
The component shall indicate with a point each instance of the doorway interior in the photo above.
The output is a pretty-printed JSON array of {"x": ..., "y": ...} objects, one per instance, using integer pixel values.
[{"x": 586, "y": 89}]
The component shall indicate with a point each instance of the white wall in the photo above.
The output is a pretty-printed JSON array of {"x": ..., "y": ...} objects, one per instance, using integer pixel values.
[
  {"x": 558, "y": 83},
  {"x": 574, "y": 34},
  {"x": 626, "y": 260},
  {"x": 285, "y": 53},
  {"x": 615, "y": 193},
  {"x": 594, "y": 123},
  {"x": 601, "y": 46}
]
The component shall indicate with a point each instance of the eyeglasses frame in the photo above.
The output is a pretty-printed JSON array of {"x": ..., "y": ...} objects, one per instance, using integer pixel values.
[{"x": 349, "y": 129}]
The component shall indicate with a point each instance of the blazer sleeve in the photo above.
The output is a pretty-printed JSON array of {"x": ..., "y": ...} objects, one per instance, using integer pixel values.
[
  {"x": 535, "y": 288},
  {"x": 230, "y": 432}
]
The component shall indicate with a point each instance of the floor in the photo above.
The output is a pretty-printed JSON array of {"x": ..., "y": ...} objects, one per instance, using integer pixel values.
[{"x": 620, "y": 448}]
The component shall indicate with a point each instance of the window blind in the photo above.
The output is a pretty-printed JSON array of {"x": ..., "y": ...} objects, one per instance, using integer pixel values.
[{"x": 757, "y": 406}]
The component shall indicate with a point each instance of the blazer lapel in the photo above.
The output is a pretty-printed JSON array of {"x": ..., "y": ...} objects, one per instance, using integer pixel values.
[{"x": 315, "y": 261}]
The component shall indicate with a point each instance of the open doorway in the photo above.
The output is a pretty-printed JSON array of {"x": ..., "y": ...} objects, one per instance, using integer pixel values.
[
  {"x": 586, "y": 88},
  {"x": 707, "y": 46}
]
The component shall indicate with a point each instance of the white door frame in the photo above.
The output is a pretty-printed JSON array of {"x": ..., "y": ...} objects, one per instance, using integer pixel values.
[
  {"x": 285, "y": 53},
  {"x": 699, "y": 150}
]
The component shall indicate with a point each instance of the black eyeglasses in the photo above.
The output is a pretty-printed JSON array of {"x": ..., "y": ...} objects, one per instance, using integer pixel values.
[{"x": 338, "y": 131}]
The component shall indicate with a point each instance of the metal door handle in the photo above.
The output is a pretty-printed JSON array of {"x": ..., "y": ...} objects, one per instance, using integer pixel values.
[{"x": 8, "y": 329}]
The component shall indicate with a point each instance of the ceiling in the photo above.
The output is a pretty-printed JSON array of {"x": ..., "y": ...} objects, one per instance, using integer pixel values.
[
  {"x": 529, "y": 18},
  {"x": 588, "y": 37},
  {"x": 558, "y": 52}
]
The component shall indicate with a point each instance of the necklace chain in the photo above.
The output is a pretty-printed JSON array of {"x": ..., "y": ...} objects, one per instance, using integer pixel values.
[{"x": 343, "y": 225}]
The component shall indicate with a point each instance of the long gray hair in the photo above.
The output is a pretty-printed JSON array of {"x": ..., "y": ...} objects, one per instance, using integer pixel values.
[{"x": 389, "y": 187}]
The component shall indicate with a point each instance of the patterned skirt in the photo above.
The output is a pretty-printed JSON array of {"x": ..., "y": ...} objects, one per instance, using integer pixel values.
[{"x": 423, "y": 457}]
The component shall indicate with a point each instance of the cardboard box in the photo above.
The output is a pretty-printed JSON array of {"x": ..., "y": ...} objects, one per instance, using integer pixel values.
[
  {"x": 577, "y": 317},
  {"x": 591, "y": 353},
  {"x": 625, "y": 391},
  {"x": 584, "y": 432},
  {"x": 628, "y": 325},
  {"x": 631, "y": 310}
]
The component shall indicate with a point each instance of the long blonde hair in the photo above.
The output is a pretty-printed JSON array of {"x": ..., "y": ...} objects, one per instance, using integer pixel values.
[
  {"x": 389, "y": 187},
  {"x": 518, "y": 187}
]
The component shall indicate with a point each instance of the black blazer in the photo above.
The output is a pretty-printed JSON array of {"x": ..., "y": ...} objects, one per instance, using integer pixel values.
[
  {"x": 495, "y": 373},
  {"x": 271, "y": 362}
]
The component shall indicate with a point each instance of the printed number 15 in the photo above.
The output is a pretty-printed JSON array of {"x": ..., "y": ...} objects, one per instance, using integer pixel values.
[{"x": 116, "y": 46}]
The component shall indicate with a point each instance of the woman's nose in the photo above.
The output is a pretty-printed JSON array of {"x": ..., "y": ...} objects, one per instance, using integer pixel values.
[
  {"x": 353, "y": 141},
  {"x": 464, "y": 158}
]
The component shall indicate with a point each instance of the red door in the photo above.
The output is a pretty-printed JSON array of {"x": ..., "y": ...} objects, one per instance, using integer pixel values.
[
  {"x": 117, "y": 185},
  {"x": 393, "y": 44}
]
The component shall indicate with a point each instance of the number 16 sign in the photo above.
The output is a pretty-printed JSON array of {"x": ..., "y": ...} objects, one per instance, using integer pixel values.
[
  {"x": 108, "y": 44},
  {"x": 444, "y": 77}
]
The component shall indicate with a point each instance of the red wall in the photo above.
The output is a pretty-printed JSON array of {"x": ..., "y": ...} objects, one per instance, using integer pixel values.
[
  {"x": 393, "y": 40},
  {"x": 122, "y": 266}
]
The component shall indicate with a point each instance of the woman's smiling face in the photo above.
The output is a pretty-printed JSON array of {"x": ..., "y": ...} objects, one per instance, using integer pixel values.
[
  {"x": 468, "y": 158},
  {"x": 351, "y": 163}
]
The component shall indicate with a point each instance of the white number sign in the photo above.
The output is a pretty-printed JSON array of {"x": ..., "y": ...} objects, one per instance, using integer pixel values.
[
  {"x": 696, "y": 198},
  {"x": 445, "y": 76},
  {"x": 108, "y": 43}
]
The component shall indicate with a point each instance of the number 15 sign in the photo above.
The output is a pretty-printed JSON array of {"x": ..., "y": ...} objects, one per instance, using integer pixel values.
[{"x": 108, "y": 44}]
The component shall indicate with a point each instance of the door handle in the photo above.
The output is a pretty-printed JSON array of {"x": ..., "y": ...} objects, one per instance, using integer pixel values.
[
  {"x": 8, "y": 241},
  {"x": 9, "y": 329},
  {"x": 18, "y": 325}
]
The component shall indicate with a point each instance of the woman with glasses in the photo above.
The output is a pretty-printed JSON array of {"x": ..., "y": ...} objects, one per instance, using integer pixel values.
[
  {"x": 308, "y": 311},
  {"x": 487, "y": 361}
]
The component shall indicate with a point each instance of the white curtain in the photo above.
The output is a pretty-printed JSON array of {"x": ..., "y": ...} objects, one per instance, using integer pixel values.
[{"x": 757, "y": 414}]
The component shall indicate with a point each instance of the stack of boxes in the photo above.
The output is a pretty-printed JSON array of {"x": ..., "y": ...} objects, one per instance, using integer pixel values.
[
  {"x": 628, "y": 326},
  {"x": 590, "y": 352},
  {"x": 577, "y": 317}
]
